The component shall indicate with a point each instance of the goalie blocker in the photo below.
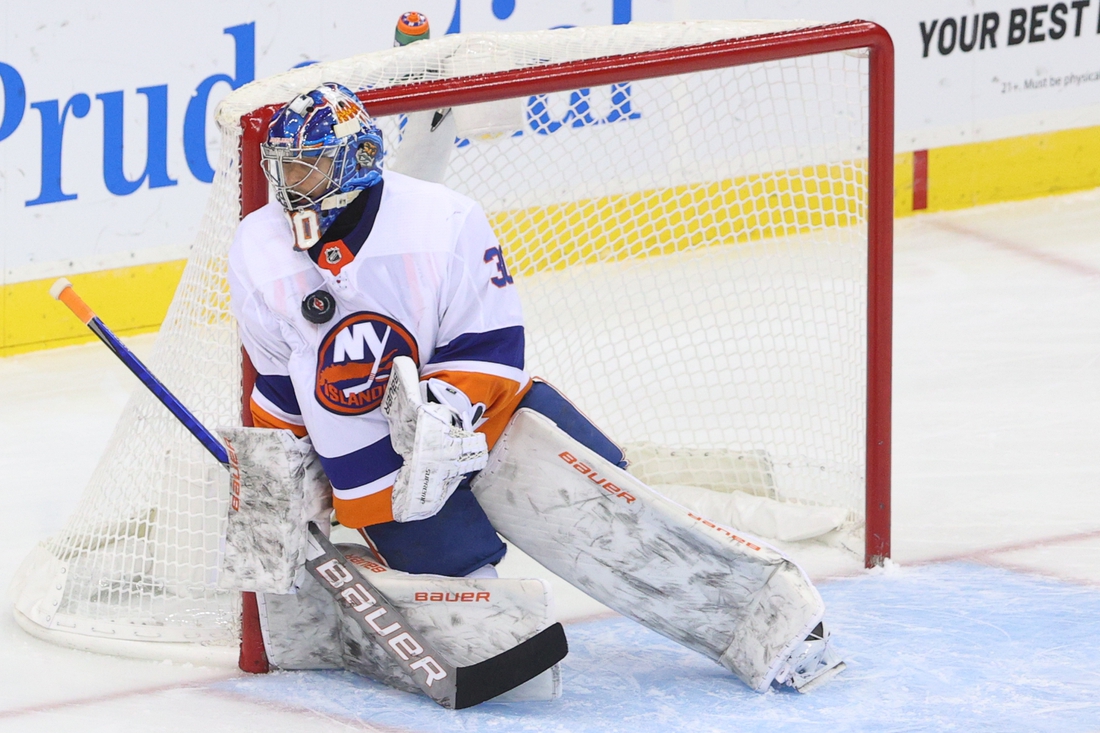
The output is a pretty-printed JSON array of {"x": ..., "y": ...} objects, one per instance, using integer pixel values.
[
  {"x": 557, "y": 489},
  {"x": 460, "y": 641}
]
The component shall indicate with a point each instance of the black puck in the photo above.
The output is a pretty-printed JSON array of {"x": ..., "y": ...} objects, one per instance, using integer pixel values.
[{"x": 318, "y": 307}]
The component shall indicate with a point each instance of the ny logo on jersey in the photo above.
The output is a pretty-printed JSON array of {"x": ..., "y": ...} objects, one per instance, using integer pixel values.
[{"x": 354, "y": 361}]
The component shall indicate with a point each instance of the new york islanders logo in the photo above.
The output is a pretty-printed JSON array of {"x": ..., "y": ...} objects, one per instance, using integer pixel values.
[{"x": 354, "y": 361}]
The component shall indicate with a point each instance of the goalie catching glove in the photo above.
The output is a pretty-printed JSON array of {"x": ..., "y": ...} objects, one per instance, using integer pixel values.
[{"x": 432, "y": 428}]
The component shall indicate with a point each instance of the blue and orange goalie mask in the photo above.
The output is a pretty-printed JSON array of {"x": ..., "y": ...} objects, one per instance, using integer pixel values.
[{"x": 322, "y": 149}]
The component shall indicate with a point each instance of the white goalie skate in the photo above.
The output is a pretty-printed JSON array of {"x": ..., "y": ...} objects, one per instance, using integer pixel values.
[{"x": 811, "y": 663}]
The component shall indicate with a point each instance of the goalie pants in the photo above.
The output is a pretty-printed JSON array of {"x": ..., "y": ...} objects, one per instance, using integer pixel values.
[
  {"x": 459, "y": 539},
  {"x": 455, "y": 542}
]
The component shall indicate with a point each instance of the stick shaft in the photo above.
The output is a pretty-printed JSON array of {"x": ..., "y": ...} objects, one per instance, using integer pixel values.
[{"x": 68, "y": 296}]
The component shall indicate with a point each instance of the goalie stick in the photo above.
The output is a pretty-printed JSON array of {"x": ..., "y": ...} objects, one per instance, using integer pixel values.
[{"x": 450, "y": 686}]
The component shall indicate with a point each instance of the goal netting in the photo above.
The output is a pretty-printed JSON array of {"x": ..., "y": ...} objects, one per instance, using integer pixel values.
[{"x": 688, "y": 211}]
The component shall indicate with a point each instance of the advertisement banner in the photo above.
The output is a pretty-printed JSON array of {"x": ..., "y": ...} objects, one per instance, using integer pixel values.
[{"x": 107, "y": 143}]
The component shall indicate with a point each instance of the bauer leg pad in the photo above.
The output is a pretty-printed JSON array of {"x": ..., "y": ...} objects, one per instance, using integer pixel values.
[
  {"x": 728, "y": 596},
  {"x": 732, "y": 488}
]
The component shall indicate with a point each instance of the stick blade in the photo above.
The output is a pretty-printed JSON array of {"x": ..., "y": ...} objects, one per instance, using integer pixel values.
[{"x": 485, "y": 680}]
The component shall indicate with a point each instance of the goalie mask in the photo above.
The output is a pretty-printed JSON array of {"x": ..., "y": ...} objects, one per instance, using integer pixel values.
[{"x": 322, "y": 149}]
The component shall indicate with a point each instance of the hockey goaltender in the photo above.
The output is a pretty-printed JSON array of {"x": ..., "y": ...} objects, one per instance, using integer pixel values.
[{"x": 387, "y": 333}]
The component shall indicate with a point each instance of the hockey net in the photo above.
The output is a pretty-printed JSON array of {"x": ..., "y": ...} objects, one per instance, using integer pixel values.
[{"x": 698, "y": 219}]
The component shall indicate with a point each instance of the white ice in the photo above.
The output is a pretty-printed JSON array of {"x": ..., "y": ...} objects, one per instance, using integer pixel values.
[{"x": 996, "y": 420}]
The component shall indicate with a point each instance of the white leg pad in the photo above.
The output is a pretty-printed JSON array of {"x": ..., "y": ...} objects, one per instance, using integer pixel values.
[
  {"x": 726, "y": 595},
  {"x": 467, "y": 619},
  {"x": 277, "y": 486},
  {"x": 732, "y": 488},
  {"x": 757, "y": 514}
]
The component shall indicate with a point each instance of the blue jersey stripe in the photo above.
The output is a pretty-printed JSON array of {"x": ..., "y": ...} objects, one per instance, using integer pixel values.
[
  {"x": 362, "y": 466},
  {"x": 501, "y": 346},
  {"x": 280, "y": 391}
]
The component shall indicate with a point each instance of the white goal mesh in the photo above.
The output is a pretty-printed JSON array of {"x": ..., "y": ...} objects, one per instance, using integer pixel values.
[{"x": 691, "y": 252}]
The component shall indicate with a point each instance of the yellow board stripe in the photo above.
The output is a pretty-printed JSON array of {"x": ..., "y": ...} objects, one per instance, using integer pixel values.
[
  {"x": 135, "y": 299},
  {"x": 903, "y": 184},
  {"x": 661, "y": 221},
  {"x": 130, "y": 300},
  {"x": 961, "y": 176}
]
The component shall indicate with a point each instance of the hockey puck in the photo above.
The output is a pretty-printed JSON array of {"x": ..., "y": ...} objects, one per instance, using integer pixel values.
[{"x": 318, "y": 307}]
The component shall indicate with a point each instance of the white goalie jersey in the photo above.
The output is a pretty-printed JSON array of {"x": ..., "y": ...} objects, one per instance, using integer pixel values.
[{"x": 421, "y": 275}]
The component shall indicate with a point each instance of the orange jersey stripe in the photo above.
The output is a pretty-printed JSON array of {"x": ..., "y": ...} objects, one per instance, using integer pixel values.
[
  {"x": 365, "y": 511},
  {"x": 501, "y": 397},
  {"x": 261, "y": 418}
]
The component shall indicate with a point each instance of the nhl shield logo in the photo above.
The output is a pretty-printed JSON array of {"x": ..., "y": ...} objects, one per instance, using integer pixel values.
[
  {"x": 334, "y": 256},
  {"x": 354, "y": 362}
]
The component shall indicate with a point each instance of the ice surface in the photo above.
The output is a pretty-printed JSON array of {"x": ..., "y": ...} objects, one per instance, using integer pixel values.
[
  {"x": 938, "y": 648},
  {"x": 944, "y": 647},
  {"x": 997, "y": 417}
]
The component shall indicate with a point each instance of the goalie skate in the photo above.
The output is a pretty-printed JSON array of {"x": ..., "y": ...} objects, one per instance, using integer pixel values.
[{"x": 812, "y": 663}]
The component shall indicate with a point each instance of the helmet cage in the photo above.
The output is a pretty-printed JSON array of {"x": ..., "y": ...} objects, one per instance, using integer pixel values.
[{"x": 300, "y": 177}]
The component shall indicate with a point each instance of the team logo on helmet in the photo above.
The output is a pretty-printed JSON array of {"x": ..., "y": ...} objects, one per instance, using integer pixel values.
[
  {"x": 354, "y": 362},
  {"x": 366, "y": 154}
]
